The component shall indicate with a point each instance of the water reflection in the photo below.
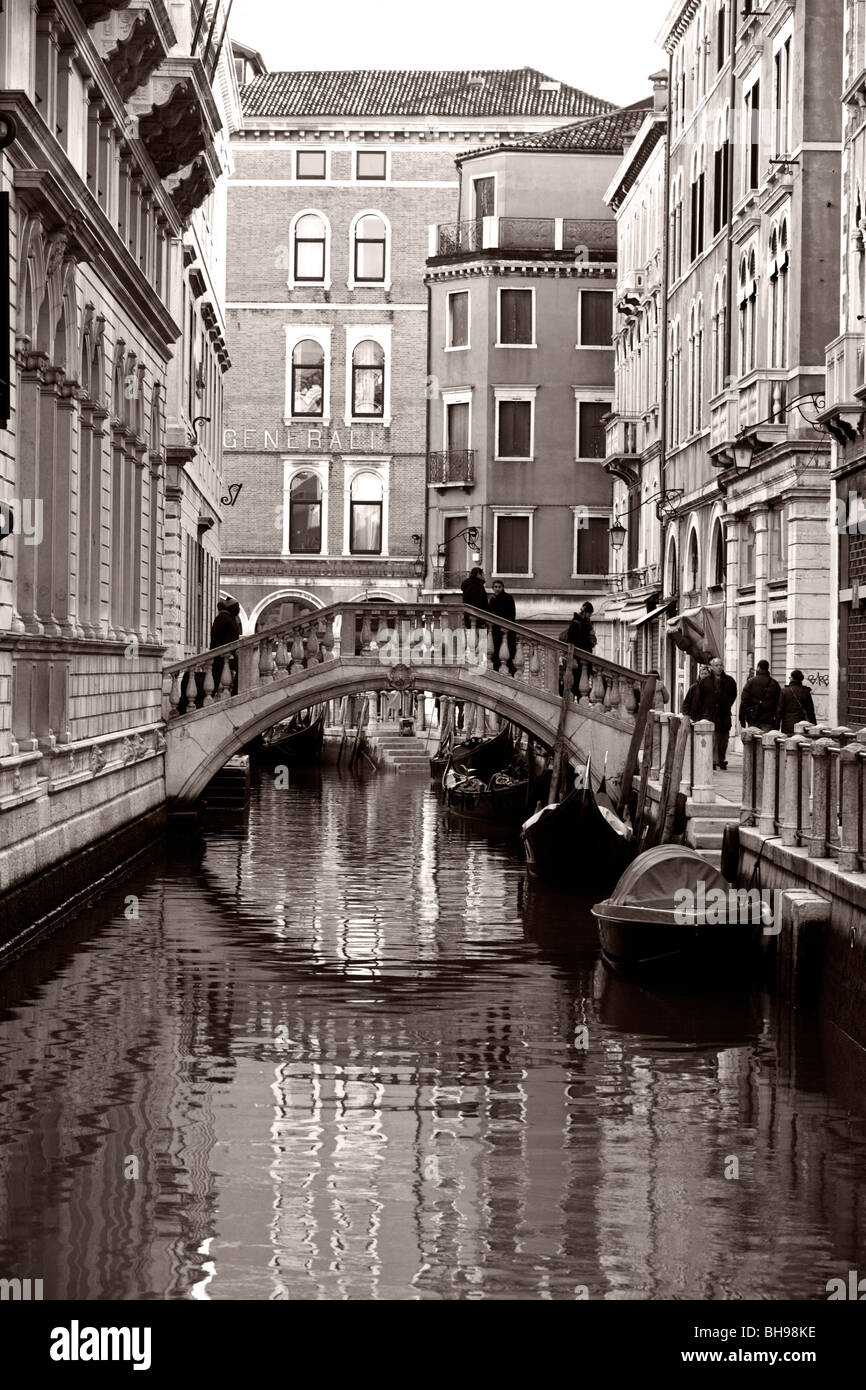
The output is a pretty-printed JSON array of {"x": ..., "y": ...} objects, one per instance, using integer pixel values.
[{"x": 351, "y": 1055}]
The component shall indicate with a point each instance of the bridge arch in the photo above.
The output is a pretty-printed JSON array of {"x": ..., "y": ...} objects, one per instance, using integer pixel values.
[
  {"x": 282, "y": 596},
  {"x": 201, "y": 743}
]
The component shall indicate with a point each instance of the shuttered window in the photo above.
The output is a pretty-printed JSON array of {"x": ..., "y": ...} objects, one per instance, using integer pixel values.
[
  {"x": 458, "y": 425},
  {"x": 590, "y": 431},
  {"x": 778, "y": 654},
  {"x": 458, "y": 319},
  {"x": 515, "y": 316},
  {"x": 515, "y": 430},
  {"x": 595, "y": 326},
  {"x": 592, "y": 546},
  {"x": 512, "y": 545}
]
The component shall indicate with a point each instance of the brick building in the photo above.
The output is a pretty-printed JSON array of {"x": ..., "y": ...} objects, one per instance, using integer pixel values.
[
  {"x": 113, "y": 114},
  {"x": 337, "y": 179},
  {"x": 521, "y": 355}
]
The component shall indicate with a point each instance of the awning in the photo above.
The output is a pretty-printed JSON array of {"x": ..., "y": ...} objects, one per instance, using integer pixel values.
[
  {"x": 654, "y": 613},
  {"x": 698, "y": 631}
]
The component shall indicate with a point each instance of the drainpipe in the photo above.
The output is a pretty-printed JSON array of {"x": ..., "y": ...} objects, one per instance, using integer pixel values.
[
  {"x": 424, "y": 525},
  {"x": 662, "y": 346},
  {"x": 730, "y": 196}
]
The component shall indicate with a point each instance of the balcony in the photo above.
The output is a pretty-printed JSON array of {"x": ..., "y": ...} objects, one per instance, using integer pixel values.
[
  {"x": 451, "y": 468},
  {"x": 568, "y": 239},
  {"x": 759, "y": 400},
  {"x": 845, "y": 389},
  {"x": 623, "y": 442},
  {"x": 134, "y": 41}
]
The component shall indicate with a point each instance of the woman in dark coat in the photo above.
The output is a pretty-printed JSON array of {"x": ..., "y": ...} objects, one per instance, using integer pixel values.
[
  {"x": 795, "y": 705},
  {"x": 760, "y": 700}
]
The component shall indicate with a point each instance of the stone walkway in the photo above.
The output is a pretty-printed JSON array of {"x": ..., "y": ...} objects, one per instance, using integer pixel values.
[{"x": 729, "y": 784}]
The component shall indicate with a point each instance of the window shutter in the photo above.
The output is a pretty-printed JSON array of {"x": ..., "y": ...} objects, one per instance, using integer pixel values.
[
  {"x": 591, "y": 441},
  {"x": 596, "y": 318},
  {"x": 592, "y": 546},
  {"x": 512, "y": 544}
]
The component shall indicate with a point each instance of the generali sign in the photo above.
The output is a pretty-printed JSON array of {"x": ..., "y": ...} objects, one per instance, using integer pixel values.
[{"x": 308, "y": 439}]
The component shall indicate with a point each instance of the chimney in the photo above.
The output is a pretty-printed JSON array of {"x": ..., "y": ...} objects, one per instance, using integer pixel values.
[{"x": 660, "y": 90}]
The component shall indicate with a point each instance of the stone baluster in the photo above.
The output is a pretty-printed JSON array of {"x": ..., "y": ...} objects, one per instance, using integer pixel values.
[
  {"x": 226, "y": 679},
  {"x": 550, "y": 670},
  {"x": 611, "y": 695},
  {"x": 749, "y": 800},
  {"x": 297, "y": 652},
  {"x": 366, "y": 632},
  {"x": 504, "y": 654},
  {"x": 534, "y": 666},
  {"x": 266, "y": 660},
  {"x": 282, "y": 659},
  {"x": 207, "y": 683},
  {"x": 792, "y": 802},
  {"x": 596, "y": 694},
  {"x": 491, "y": 650},
  {"x": 771, "y": 756},
  {"x": 702, "y": 774},
  {"x": 851, "y": 830},
  {"x": 833, "y": 755},
  {"x": 822, "y": 770},
  {"x": 326, "y": 637},
  {"x": 383, "y": 633},
  {"x": 171, "y": 697}
]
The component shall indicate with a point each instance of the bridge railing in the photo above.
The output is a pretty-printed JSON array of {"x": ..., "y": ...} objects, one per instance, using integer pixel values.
[{"x": 414, "y": 635}]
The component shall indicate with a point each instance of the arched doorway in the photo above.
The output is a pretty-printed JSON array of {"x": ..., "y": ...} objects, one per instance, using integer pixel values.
[{"x": 283, "y": 610}]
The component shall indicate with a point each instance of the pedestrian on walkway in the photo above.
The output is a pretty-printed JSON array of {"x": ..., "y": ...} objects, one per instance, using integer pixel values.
[
  {"x": 580, "y": 633},
  {"x": 502, "y": 604},
  {"x": 795, "y": 704},
  {"x": 692, "y": 699},
  {"x": 715, "y": 698},
  {"x": 474, "y": 594},
  {"x": 760, "y": 700},
  {"x": 224, "y": 629}
]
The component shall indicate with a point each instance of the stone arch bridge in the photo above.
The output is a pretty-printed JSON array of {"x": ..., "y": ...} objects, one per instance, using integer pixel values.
[{"x": 348, "y": 649}]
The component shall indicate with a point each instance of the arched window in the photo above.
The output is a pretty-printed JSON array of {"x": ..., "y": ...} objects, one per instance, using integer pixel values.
[
  {"x": 673, "y": 584},
  {"x": 693, "y": 576},
  {"x": 308, "y": 378},
  {"x": 368, "y": 380},
  {"x": 310, "y": 242},
  {"x": 696, "y": 244},
  {"x": 365, "y": 515},
  {"x": 747, "y": 296},
  {"x": 782, "y": 261},
  {"x": 717, "y": 576},
  {"x": 305, "y": 514},
  {"x": 370, "y": 243},
  {"x": 717, "y": 344},
  {"x": 698, "y": 366},
  {"x": 676, "y": 227}
]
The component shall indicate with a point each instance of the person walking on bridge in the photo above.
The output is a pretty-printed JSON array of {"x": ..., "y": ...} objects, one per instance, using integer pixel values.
[
  {"x": 474, "y": 594},
  {"x": 502, "y": 604}
]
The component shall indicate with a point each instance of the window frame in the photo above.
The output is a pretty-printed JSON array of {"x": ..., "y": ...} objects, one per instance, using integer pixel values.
[
  {"x": 520, "y": 289},
  {"x": 510, "y": 513},
  {"x": 365, "y": 463},
  {"x": 751, "y": 178},
  {"x": 293, "y": 282},
  {"x": 311, "y": 178},
  {"x": 473, "y": 179},
  {"x": 593, "y": 347},
  {"x": 293, "y": 465},
  {"x": 592, "y": 514},
  {"x": 367, "y": 178},
  {"x": 294, "y": 334},
  {"x": 783, "y": 128},
  {"x": 455, "y": 396},
  {"x": 514, "y": 393},
  {"x": 353, "y": 281},
  {"x": 354, "y": 334},
  {"x": 458, "y": 347},
  {"x": 582, "y": 396}
]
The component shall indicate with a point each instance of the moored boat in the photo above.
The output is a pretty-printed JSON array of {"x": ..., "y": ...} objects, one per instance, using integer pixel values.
[
  {"x": 672, "y": 910},
  {"x": 504, "y": 799},
  {"x": 484, "y": 755},
  {"x": 297, "y": 741},
  {"x": 580, "y": 839}
]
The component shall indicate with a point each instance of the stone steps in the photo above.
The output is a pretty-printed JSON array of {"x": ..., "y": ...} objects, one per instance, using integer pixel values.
[
  {"x": 398, "y": 753},
  {"x": 229, "y": 790}
]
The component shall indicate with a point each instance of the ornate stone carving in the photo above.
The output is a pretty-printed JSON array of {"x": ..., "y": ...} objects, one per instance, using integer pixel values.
[
  {"x": 97, "y": 760},
  {"x": 401, "y": 678}
]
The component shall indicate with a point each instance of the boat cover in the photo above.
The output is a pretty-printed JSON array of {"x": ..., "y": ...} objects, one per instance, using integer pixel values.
[{"x": 651, "y": 880}]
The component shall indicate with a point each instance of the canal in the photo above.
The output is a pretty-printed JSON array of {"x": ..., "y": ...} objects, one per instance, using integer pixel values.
[{"x": 347, "y": 1054}]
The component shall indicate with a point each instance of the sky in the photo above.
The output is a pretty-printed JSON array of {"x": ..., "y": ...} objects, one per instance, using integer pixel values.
[{"x": 578, "y": 42}]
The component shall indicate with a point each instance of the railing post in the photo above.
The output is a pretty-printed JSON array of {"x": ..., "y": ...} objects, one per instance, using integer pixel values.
[
  {"x": 821, "y": 769},
  {"x": 850, "y": 829},
  {"x": 702, "y": 790},
  {"x": 771, "y": 746},
  {"x": 748, "y": 799},
  {"x": 792, "y": 805}
]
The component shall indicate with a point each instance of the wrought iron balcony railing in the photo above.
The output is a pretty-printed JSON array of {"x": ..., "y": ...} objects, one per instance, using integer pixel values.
[
  {"x": 576, "y": 239},
  {"x": 451, "y": 467}
]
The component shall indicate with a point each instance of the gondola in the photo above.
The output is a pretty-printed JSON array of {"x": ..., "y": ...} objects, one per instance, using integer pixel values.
[
  {"x": 503, "y": 798},
  {"x": 581, "y": 840},
  {"x": 484, "y": 755},
  {"x": 672, "y": 911},
  {"x": 295, "y": 742}
]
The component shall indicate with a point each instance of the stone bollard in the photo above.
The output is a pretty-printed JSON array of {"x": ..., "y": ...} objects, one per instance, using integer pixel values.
[
  {"x": 792, "y": 805},
  {"x": 748, "y": 800},
  {"x": 850, "y": 828},
  {"x": 702, "y": 784},
  {"x": 772, "y": 783}
]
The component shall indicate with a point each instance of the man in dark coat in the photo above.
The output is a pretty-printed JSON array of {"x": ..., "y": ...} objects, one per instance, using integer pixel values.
[
  {"x": 715, "y": 698},
  {"x": 795, "y": 705},
  {"x": 760, "y": 700},
  {"x": 502, "y": 604},
  {"x": 474, "y": 593},
  {"x": 581, "y": 633},
  {"x": 224, "y": 628}
]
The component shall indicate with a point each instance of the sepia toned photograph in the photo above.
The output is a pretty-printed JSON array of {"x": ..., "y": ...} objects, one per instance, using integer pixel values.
[{"x": 432, "y": 667}]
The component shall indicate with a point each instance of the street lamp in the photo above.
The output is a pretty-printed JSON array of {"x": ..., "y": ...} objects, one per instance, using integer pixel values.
[{"x": 616, "y": 531}]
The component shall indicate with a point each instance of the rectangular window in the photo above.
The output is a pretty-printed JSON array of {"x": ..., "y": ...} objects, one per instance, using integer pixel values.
[
  {"x": 747, "y": 552},
  {"x": 515, "y": 317},
  {"x": 457, "y": 425},
  {"x": 590, "y": 431},
  {"x": 752, "y": 144},
  {"x": 365, "y": 528},
  {"x": 311, "y": 164},
  {"x": 782, "y": 95},
  {"x": 514, "y": 429},
  {"x": 721, "y": 167},
  {"x": 511, "y": 541},
  {"x": 595, "y": 319},
  {"x": 697, "y": 229},
  {"x": 721, "y": 36},
  {"x": 593, "y": 540},
  {"x": 458, "y": 319},
  {"x": 778, "y": 543},
  {"x": 371, "y": 164},
  {"x": 484, "y": 197}
]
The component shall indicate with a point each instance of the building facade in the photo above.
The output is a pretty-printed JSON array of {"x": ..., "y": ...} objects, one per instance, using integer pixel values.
[
  {"x": 337, "y": 179},
  {"x": 634, "y": 610},
  {"x": 754, "y": 151},
  {"x": 112, "y": 115},
  {"x": 521, "y": 353},
  {"x": 846, "y": 399}
]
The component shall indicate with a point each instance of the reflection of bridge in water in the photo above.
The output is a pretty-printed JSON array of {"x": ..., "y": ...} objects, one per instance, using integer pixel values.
[{"x": 349, "y": 649}]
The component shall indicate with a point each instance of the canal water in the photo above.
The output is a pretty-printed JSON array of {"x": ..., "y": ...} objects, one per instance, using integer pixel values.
[{"x": 347, "y": 1054}]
